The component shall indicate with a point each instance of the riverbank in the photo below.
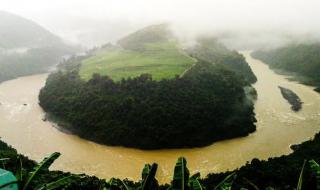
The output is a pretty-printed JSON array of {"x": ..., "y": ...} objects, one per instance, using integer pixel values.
[
  {"x": 300, "y": 60},
  {"x": 257, "y": 173},
  {"x": 183, "y": 112},
  {"x": 276, "y": 124}
]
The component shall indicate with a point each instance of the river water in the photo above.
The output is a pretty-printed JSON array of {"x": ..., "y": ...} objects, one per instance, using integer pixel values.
[{"x": 277, "y": 128}]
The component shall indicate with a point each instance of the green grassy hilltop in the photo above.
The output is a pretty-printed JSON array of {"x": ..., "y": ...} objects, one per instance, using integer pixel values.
[
  {"x": 151, "y": 50},
  {"x": 152, "y": 92},
  {"x": 160, "y": 59}
]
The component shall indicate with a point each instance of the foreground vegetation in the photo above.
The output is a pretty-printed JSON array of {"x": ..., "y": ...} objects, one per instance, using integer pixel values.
[
  {"x": 290, "y": 172},
  {"x": 207, "y": 104},
  {"x": 302, "y": 61}
]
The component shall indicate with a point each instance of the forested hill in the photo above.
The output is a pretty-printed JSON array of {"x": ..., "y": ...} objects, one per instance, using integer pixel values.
[
  {"x": 27, "y": 48},
  {"x": 211, "y": 50},
  {"x": 207, "y": 104},
  {"x": 152, "y": 92},
  {"x": 300, "y": 60}
]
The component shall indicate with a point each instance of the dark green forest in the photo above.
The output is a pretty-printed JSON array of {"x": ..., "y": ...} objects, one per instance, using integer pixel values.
[
  {"x": 34, "y": 61},
  {"x": 207, "y": 104},
  {"x": 210, "y": 101},
  {"x": 302, "y": 61},
  {"x": 211, "y": 50}
]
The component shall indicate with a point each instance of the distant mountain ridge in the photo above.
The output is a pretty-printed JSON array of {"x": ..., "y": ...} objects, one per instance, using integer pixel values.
[
  {"x": 18, "y": 32},
  {"x": 26, "y": 48}
]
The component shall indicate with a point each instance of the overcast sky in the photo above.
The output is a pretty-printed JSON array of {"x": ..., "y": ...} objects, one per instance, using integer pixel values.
[{"x": 67, "y": 17}]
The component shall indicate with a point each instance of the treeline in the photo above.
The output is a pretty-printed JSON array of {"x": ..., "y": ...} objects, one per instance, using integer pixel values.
[
  {"x": 207, "y": 104},
  {"x": 33, "y": 61},
  {"x": 282, "y": 173},
  {"x": 209, "y": 49},
  {"x": 302, "y": 60}
]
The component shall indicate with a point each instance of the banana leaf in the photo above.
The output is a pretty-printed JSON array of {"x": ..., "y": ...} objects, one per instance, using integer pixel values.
[
  {"x": 43, "y": 165},
  {"x": 194, "y": 182},
  {"x": 63, "y": 182},
  {"x": 19, "y": 170},
  {"x": 316, "y": 169},
  {"x": 145, "y": 171},
  {"x": 226, "y": 184},
  {"x": 149, "y": 173},
  {"x": 299, "y": 186},
  {"x": 118, "y": 184},
  {"x": 181, "y": 175}
]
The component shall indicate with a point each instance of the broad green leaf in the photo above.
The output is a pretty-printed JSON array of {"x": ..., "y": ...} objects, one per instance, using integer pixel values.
[
  {"x": 113, "y": 182},
  {"x": 226, "y": 183},
  {"x": 181, "y": 175},
  {"x": 194, "y": 182},
  {"x": 149, "y": 180},
  {"x": 63, "y": 182},
  {"x": 125, "y": 185},
  {"x": 19, "y": 169},
  {"x": 145, "y": 171},
  {"x": 44, "y": 164},
  {"x": 316, "y": 169},
  {"x": 299, "y": 186}
]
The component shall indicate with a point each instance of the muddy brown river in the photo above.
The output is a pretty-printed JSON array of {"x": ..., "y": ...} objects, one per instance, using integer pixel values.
[{"x": 278, "y": 127}]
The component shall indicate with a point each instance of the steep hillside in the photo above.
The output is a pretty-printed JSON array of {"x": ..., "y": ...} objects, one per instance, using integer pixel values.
[
  {"x": 26, "y": 48},
  {"x": 150, "y": 91},
  {"x": 211, "y": 50},
  {"x": 302, "y": 61}
]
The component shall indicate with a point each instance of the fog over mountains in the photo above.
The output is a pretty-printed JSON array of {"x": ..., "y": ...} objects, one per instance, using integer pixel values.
[{"x": 106, "y": 20}]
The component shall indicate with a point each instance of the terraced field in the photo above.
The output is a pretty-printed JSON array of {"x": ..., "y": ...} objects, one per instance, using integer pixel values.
[{"x": 162, "y": 60}]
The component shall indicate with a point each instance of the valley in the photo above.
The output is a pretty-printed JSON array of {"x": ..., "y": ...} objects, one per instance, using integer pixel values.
[{"x": 273, "y": 114}]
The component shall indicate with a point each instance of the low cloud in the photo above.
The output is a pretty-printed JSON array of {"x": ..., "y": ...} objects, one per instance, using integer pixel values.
[{"x": 238, "y": 23}]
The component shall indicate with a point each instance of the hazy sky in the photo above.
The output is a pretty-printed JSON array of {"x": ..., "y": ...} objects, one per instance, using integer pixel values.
[{"x": 71, "y": 17}]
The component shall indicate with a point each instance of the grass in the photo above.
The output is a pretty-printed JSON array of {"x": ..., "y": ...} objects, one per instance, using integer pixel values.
[{"x": 161, "y": 60}]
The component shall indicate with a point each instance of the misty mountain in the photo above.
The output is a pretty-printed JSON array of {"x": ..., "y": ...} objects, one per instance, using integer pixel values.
[
  {"x": 27, "y": 48},
  {"x": 18, "y": 32}
]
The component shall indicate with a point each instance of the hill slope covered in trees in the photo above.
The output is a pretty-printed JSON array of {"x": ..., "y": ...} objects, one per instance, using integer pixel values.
[
  {"x": 158, "y": 107},
  {"x": 209, "y": 49},
  {"x": 302, "y": 61}
]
